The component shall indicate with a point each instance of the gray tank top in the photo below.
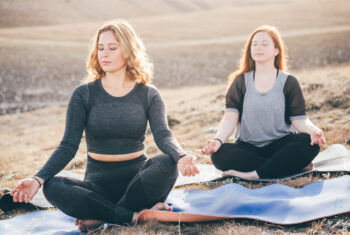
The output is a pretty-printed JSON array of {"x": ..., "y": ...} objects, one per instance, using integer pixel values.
[{"x": 263, "y": 117}]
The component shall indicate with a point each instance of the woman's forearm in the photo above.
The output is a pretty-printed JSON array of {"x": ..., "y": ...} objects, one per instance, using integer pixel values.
[
  {"x": 304, "y": 126},
  {"x": 227, "y": 125}
]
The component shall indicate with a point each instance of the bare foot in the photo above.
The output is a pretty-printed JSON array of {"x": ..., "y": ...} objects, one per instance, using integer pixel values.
[
  {"x": 87, "y": 224},
  {"x": 308, "y": 167},
  {"x": 252, "y": 175},
  {"x": 162, "y": 206}
]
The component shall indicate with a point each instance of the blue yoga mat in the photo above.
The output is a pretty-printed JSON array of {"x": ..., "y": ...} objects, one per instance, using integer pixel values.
[
  {"x": 275, "y": 203},
  {"x": 40, "y": 223}
]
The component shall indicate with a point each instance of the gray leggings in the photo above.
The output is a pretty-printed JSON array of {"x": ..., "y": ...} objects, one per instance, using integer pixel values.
[{"x": 112, "y": 191}]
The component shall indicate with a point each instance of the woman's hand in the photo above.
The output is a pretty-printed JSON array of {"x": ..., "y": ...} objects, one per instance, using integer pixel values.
[
  {"x": 187, "y": 165},
  {"x": 25, "y": 190},
  {"x": 213, "y": 146},
  {"x": 317, "y": 137},
  {"x": 306, "y": 126}
]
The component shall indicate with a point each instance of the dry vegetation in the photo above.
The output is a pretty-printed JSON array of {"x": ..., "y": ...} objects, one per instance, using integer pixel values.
[{"x": 194, "y": 46}]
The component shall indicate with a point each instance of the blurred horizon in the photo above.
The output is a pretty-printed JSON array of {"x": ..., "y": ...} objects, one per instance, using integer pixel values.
[{"x": 44, "y": 43}]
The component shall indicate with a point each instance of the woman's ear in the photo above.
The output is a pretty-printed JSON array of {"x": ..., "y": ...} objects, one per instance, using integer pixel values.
[{"x": 277, "y": 51}]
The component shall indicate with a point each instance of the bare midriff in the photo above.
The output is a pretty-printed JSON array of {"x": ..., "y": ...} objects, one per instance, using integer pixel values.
[{"x": 116, "y": 157}]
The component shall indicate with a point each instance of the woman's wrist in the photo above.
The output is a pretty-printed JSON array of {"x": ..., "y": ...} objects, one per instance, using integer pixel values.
[
  {"x": 313, "y": 130},
  {"x": 219, "y": 140},
  {"x": 183, "y": 155},
  {"x": 39, "y": 180}
]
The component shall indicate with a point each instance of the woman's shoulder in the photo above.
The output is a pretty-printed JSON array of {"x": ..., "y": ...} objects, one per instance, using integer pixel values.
[
  {"x": 83, "y": 90},
  {"x": 150, "y": 89},
  {"x": 291, "y": 80},
  {"x": 291, "y": 85},
  {"x": 86, "y": 87},
  {"x": 291, "y": 77},
  {"x": 240, "y": 77},
  {"x": 238, "y": 82},
  {"x": 147, "y": 93}
]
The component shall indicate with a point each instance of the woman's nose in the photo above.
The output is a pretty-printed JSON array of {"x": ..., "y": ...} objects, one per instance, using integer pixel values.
[{"x": 104, "y": 53}]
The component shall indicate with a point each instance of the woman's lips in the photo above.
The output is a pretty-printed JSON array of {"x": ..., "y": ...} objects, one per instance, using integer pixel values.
[{"x": 106, "y": 62}]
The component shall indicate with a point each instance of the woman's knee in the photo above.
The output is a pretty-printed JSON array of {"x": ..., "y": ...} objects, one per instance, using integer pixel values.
[
  {"x": 305, "y": 142},
  {"x": 218, "y": 158},
  {"x": 51, "y": 187},
  {"x": 303, "y": 138},
  {"x": 165, "y": 165}
]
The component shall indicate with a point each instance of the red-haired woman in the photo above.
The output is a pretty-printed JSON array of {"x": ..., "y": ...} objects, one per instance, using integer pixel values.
[
  {"x": 263, "y": 102},
  {"x": 113, "y": 109}
]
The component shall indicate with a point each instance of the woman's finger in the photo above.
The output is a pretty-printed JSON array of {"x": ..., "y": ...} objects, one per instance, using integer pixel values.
[
  {"x": 187, "y": 171},
  {"x": 14, "y": 197},
  {"x": 318, "y": 142},
  {"x": 312, "y": 141},
  {"x": 183, "y": 170},
  {"x": 20, "y": 196},
  {"x": 193, "y": 173},
  {"x": 322, "y": 140},
  {"x": 26, "y": 198},
  {"x": 196, "y": 170},
  {"x": 16, "y": 188},
  {"x": 13, "y": 191}
]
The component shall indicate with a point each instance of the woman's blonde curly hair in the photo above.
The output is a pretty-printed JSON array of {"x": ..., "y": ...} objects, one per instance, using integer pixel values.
[{"x": 138, "y": 67}]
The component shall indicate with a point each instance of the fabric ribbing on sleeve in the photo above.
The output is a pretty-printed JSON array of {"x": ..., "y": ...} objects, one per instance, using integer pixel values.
[
  {"x": 235, "y": 95},
  {"x": 295, "y": 103},
  {"x": 75, "y": 124},
  {"x": 162, "y": 135}
]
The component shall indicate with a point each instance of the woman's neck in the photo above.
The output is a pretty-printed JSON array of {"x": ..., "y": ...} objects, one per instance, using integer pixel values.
[
  {"x": 117, "y": 79},
  {"x": 265, "y": 69}
]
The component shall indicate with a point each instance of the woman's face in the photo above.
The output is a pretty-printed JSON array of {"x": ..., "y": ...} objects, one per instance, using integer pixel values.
[
  {"x": 110, "y": 55},
  {"x": 262, "y": 48}
]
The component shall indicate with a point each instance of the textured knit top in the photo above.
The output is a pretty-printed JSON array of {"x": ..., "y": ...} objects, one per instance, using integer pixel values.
[
  {"x": 113, "y": 125},
  {"x": 265, "y": 117}
]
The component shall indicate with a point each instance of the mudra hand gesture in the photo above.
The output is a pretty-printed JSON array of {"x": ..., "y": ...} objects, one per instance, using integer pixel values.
[
  {"x": 26, "y": 189},
  {"x": 187, "y": 165}
]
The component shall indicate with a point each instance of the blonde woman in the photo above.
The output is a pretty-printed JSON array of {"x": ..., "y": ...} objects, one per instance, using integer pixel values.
[
  {"x": 113, "y": 108},
  {"x": 263, "y": 102}
]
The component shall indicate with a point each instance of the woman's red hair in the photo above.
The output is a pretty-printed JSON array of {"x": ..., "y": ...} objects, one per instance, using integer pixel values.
[{"x": 247, "y": 63}]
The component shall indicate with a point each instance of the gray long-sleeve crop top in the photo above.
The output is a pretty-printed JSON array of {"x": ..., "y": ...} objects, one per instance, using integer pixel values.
[{"x": 113, "y": 125}]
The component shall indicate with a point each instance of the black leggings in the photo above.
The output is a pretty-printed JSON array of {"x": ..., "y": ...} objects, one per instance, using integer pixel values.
[
  {"x": 283, "y": 157},
  {"x": 112, "y": 191}
]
